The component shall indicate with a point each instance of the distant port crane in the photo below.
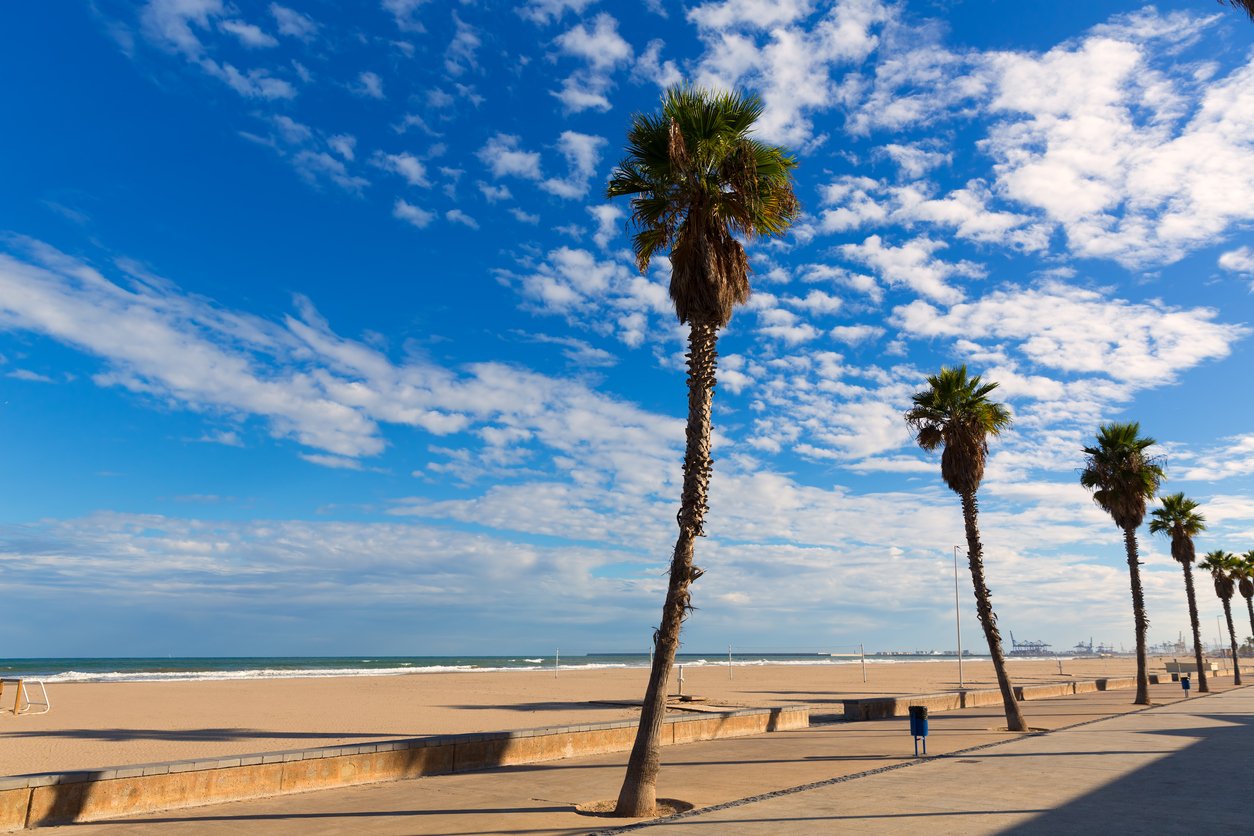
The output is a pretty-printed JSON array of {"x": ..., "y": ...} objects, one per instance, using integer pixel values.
[{"x": 1028, "y": 648}]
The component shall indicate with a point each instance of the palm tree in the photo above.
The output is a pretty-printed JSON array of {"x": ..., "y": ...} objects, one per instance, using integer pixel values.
[
  {"x": 1246, "y": 6},
  {"x": 1245, "y": 583},
  {"x": 1123, "y": 478},
  {"x": 1178, "y": 518},
  {"x": 696, "y": 180},
  {"x": 1221, "y": 564},
  {"x": 955, "y": 412}
]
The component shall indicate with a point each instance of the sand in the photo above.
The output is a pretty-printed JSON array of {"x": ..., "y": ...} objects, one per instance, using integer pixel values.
[{"x": 94, "y": 725}]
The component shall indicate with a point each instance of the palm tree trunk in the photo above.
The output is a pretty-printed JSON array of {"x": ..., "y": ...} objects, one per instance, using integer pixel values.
[
  {"x": 1232, "y": 637},
  {"x": 1202, "y": 687},
  {"x": 984, "y": 608},
  {"x": 638, "y": 795},
  {"x": 1138, "y": 616},
  {"x": 1249, "y": 603}
]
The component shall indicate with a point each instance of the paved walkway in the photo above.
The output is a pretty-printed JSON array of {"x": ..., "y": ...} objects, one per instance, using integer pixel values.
[
  {"x": 1145, "y": 770},
  {"x": 1174, "y": 769}
]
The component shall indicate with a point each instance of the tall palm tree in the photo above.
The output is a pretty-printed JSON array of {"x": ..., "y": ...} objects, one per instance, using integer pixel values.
[
  {"x": 1245, "y": 583},
  {"x": 1221, "y": 564},
  {"x": 696, "y": 180},
  {"x": 1246, "y": 6},
  {"x": 1178, "y": 518},
  {"x": 955, "y": 413},
  {"x": 1123, "y": 477}
]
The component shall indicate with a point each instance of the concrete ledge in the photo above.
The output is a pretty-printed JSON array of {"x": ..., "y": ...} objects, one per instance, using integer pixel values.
[
  {"x": 879, "y": 708},
  {"x": 976, "y": 699},
  {"x": 91, "y": 795},
  {"x": 1113, "y": 684},
  {"x": 1044, "y": 692}
]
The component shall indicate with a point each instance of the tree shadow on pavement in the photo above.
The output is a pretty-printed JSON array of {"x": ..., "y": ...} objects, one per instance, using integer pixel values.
[{"x": 1194, "y": 789}]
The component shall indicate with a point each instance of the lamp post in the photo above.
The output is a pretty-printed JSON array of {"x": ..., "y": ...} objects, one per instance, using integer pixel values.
[{"x": 958, "y": 618}]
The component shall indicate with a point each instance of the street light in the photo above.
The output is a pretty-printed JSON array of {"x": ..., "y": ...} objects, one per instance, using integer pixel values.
[{"x": 958, "y": 618}]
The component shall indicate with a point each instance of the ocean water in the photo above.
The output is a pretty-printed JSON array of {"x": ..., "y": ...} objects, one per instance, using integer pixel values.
[{"x": 157, "y": 669}]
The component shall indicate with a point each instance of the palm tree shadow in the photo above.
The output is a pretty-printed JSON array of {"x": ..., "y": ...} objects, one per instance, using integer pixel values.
[{"x": 1175, "y": 794}]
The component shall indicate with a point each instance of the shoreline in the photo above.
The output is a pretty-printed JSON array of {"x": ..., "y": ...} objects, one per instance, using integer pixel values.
[
  {"x": 106, "y": 724},
  {"x": 110, "y": 672}
]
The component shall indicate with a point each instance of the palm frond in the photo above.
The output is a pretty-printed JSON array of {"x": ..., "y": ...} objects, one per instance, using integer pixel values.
[
  {"x": 1121, "y": 474},
  {"x": 1179, "y": 519},
  {"x": 955, "y": 413},
  {"x": 699, "y": 184},
  {"x": 1220, "y": 564}
]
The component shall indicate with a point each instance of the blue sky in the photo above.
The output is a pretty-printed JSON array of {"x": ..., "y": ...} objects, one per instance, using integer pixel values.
[{"x": 317, "y": 335}]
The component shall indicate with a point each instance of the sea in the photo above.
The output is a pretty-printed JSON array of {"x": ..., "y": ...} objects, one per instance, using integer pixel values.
[{"x": 174, "y": 668}]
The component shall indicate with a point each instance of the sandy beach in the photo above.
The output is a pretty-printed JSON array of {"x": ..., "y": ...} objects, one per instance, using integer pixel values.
[{"x": 96, "y": 725}]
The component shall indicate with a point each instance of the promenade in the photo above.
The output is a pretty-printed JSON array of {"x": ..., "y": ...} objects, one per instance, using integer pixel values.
[{"x": 1173, "y": 767}]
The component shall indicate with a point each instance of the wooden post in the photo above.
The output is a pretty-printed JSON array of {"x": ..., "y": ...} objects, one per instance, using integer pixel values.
[{"x": 17, "y": 700}]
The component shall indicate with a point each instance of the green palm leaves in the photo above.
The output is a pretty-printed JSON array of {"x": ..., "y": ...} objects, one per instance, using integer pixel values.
[
  {"x": 697, "y": 180},
  {"x": 1222, "y": 566},
  {"x": 1178, "y": 518},
  {"x": 1244, "y": 571},
  {"x": 1121, "y": 474},
  {"x": 956, "y": 413}
]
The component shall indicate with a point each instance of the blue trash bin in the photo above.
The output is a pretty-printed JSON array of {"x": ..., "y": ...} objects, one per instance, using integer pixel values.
[{"x": 918, "y": 727}]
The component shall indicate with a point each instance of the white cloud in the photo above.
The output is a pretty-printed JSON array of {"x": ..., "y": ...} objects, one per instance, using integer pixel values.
[
  {"x": 600, "y": 46},
  {"x": 855, "y": 334},
  {"x": 1240, "y": 260},
  {"x": 173, "y": 25},
  {"x": 551, "y": 11},
  {"x": 457, "y": 216},
  {"x": 344, "y": 145},
  {"x": 650, "y": 66},
  {"x": 1233, "y": 458},
  {"x": 29, "y": 376},
  {"x": 409, "y": 213},
  {"x": 608, "y": 218},
  {"x": 816, "y": 302},
  {"x": 1139, "y": 163},
  {"x": 774, "y": 48},
  {"x": 369, "y": 85},
  {"x": 405, "y": 13},
  {"x": 314, "y": 165},
  {"x": 492, "y": 194},
  {"x": 913, "y": 160},
  {"x": 1081, "y": 331},
  {"x": 603, "y": 50},
  {"x": 412, "y": 169},
  {"x": 524, "y": 217},
  {"x": 913, "y": 266},
  {"x": 459, "y": 57},
  {"x": 860, "y": 201},
  {"x": 504, "y": 158},
  {"x": 335, "y": 462},
  {"x": 582, "y": 153},
  {"x": 759, "y": 14},
  {"x": 293, "y": 24},
  {"x": 250, "y": 35}
]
